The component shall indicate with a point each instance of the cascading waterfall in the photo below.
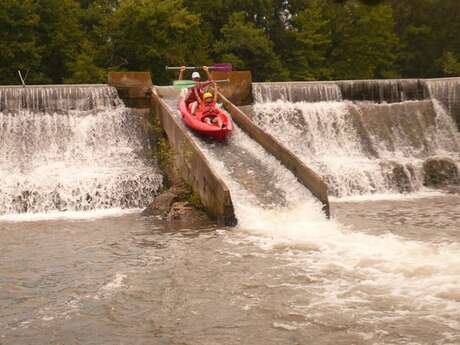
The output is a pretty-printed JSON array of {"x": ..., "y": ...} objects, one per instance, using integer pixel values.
[
  {"x": 73, "y": 148},
  {"x": 447, "y": 92},
  {"x": 360, "y": 148},
  {"x": 296, "y": 91},
  {"x": 380, "y": 91},
  {"x": 57, "y": 99}
]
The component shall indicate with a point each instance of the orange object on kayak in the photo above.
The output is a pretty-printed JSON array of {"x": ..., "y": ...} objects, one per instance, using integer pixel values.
[{"x": 220, "y": 129}]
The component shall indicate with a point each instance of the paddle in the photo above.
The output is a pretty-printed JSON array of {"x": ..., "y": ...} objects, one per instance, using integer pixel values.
[
  {"x": 185, "y": 84},
  {"x": 219, "y": 67}
]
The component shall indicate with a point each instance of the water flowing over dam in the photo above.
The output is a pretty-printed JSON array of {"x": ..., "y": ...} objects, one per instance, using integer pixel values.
[
  {"x": 72, "y": 148},
  {"x": 362, "y": 147}
]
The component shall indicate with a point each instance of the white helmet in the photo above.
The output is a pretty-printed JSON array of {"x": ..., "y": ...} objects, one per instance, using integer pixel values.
[{"x": 195, "y": 75}]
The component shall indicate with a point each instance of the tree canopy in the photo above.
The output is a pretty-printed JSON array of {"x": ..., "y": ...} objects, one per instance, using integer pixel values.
[{"x": 79, "y": 41}]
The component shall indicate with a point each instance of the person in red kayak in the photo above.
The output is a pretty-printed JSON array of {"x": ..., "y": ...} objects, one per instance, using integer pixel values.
[
  {"x": 195, "y": 94},
  {"x": 208, "y": 108}
]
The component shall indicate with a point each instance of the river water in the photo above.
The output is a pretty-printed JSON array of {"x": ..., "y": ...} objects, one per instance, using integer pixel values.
[{"x": 389, "y": 275}]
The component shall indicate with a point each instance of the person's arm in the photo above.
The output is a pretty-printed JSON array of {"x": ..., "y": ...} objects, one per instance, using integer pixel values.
[
  {"x": 197, "y": 95},
  {"x": 214, "y": 86},
  {"x": 181, "y": 72},
  {"x": 206, "y": 69}
]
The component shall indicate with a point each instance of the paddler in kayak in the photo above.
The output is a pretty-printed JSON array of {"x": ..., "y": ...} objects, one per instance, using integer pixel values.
[
  {"x": 208, "y": 109},
  {"x": 194, "y": 94}
]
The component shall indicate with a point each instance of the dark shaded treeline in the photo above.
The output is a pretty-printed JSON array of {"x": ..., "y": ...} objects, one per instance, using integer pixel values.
[{"x": 71, "y": 41}]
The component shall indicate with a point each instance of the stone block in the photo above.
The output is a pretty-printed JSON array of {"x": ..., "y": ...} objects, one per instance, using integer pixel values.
[
  {"x": 440, "y": 172},
  {"x": 239, "y": 88},
  {"x": 133, "y": 87}
]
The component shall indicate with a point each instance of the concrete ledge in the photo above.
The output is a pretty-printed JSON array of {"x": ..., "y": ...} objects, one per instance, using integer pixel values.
[
  {"x": 304, "y": 174},
  {"x": 381, "y": 90},
  {"x": 239, "y": 88},
  {"x": 193, "y": 167},
  {"x": 133, "y": 87},
  {"x": 445, "y": 90},
  {"x": 130, "y": 79}
]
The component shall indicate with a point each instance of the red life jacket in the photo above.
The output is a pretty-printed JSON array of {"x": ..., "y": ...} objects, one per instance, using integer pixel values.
[
  {"x": 191, "y": 95},
  {"x": 208, "y": 109}
]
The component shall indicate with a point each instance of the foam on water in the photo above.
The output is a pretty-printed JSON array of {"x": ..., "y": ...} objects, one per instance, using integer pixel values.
[
  {"x": 421, "y": 194},
  {"x": 67, "y": 215}
]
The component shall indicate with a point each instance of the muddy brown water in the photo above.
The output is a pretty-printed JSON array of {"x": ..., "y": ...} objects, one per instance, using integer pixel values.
[{"x": 126, "y": 280}]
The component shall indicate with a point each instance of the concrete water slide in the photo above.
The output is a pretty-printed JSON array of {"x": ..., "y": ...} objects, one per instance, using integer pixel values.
[{"x": 137, "y": 90}]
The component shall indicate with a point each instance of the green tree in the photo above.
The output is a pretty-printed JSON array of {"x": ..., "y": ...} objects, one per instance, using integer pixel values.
[
  {"x": 150, "y": 34},
  {"x": 95, "y": 56},
  {"x": 19, "y": 46},
  {"x": 427, "y": 29},
  {"x": 309, "y": 39},
  {"x": 84, "y": 68},
  {"x": 61, "y": 33},
  {"x": 364, "y": 41},
  {"x": 247, "y": 46},
  {"x": 450, "y": 64}
]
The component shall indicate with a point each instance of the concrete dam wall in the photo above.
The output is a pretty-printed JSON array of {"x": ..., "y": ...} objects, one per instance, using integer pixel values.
[{"x": 445, "y": 90}]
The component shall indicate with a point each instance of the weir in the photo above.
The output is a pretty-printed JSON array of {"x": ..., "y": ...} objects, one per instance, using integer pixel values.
[
  {"x": 365, "y": 137},
  {"x": 73, "y": 148},
  {"x": 351, "y": 137},
  {"x": 191, "y": 154},
  {"x": 445, "y": 90},
  {"x": 79, "y": 147}
]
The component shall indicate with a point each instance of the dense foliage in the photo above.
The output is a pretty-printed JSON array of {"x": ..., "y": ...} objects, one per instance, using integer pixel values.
[{"x": 78, "y": 41}]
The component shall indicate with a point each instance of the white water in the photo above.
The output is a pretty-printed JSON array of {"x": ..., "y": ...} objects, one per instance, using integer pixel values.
[
  {"x": 355, "y": 271},
  {"x": 363, "y": 148},
  {"x": 382, "y": 278},
  {"x": 71, "y": 155},
  {"x": 385, "y": 279},
  {"x": 296, "y": 91},
  {"x": 67, "y": 215},
  {"x": 445, "y": 90}
]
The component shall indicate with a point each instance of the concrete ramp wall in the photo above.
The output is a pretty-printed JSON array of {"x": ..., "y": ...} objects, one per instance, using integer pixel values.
[
  {"x": 193, "y": 167},
  {"x": 304, "y": 174}
]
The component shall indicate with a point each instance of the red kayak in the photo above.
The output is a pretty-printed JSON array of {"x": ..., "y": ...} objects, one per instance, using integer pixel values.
[{"x": 219, "y": 130}]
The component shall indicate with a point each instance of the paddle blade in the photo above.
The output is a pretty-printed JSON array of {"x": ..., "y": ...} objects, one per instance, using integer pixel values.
[
  {"x": 222, "y": 67},
  {"x": 183, "y": 84}
]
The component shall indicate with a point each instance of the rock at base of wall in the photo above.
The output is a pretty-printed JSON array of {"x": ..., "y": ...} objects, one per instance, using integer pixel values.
[
  {"x": 184, "y": 215},
  {"x": 399, "y": 176},
  {"x": 440, "y": 172},
  {"x": 162, "y": 203},
  {"x": 171, "y": 208}
]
